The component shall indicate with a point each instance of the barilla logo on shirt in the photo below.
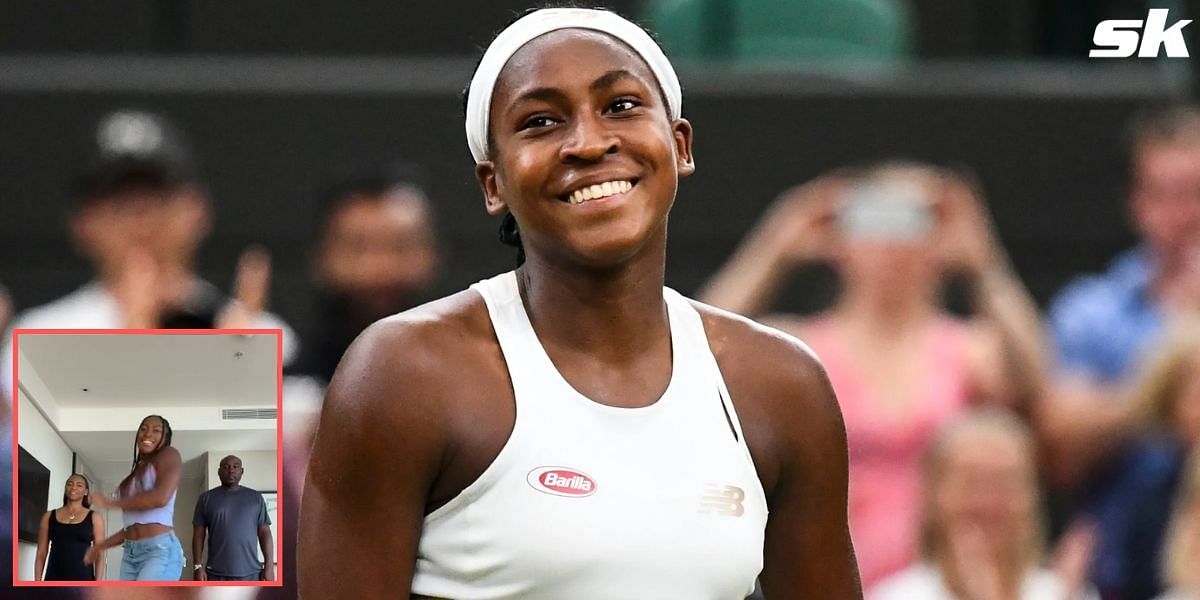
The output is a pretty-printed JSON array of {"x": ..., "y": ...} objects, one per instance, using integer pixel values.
[{"x": 561, "y": 481}]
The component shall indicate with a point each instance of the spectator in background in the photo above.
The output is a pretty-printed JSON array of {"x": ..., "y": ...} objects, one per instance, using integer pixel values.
[
  {"x": 140, "y": 219},
  {"x": 1101, "y": 324},
  {"x": 981, "y": 533},
  {"x": 6, "y": 308},
  {"x": 1132, "y": 503},
  {"x": 1182, "y": 553},
  {"x": 901, "y": 366},
  {"x": 375, "y": 256}
]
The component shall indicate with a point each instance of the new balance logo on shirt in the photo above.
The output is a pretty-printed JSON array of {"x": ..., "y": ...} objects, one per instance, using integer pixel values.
[{"x": 725, "y": 501}]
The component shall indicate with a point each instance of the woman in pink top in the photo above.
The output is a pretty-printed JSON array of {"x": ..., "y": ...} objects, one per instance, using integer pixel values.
[{"x": 900, "y": 365}]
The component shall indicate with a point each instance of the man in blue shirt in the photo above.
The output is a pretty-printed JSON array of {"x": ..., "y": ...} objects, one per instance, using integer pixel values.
[
  {"x": 233, "y": 519},
  {"x": 1103, "y": 327}
]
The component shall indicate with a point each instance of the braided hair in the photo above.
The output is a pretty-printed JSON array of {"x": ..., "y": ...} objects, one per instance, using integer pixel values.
[{"x": 137, "y": 453}]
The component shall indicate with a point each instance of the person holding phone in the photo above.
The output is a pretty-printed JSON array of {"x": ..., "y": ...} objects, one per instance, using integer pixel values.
[{"x": 900, "y": 363}]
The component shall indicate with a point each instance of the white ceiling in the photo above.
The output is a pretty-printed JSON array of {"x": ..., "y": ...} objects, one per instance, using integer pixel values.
[{"x": 127, "y": 370}]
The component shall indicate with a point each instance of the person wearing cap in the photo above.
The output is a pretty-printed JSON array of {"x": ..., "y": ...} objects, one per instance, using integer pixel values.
[
  {"x": 572, "y": 428},
  {"x": 140, "y": 217}
]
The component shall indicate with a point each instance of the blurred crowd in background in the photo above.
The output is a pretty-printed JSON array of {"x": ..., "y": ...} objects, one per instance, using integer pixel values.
[{"x": 998, "y": 449}]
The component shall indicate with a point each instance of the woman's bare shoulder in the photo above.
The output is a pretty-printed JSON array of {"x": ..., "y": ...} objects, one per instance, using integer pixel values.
[
  {"x": 779, "y": 389},
  {"x": 419, "y": 361},
  {"x": 396, "y": 403},
  {"x": 421, "y": 341},
  {"x": 746, "y": 349},
  {"x": 167, "y": 455},
  {"x": 453, "y": 318}
]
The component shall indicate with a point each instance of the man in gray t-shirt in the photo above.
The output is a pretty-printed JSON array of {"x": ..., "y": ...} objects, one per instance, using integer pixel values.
[{"x": 233, "y": 519}]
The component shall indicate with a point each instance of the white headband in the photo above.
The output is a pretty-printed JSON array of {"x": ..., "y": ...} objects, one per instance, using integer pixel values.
[{"x": 479, "y": 98}]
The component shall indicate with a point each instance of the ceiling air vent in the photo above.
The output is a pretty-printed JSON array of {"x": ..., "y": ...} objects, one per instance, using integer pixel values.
[{"x": 241, "y": 414}]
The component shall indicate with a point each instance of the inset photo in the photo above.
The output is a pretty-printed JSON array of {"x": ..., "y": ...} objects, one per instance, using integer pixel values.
[{"x": 147, "y": 456}]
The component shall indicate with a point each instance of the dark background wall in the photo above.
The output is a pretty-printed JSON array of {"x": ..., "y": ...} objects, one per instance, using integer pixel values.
[
  {"x": 1053, "y": 169},
  {"x": 944, "y": 28},
  {"x": 277, "y": 95},
  {"x": 453, "y": 27}
]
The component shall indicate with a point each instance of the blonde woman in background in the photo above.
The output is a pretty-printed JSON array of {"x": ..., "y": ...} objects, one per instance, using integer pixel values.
[
  {"x": 981, "y": 530},
  {"x": 1181, "y": 567},
  {"x": 1131, "y": 500}
]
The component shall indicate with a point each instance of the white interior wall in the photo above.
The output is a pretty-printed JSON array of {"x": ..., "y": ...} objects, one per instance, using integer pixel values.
[
  {"x": 36, "y": 435},
  {"x": 112, "y": 524},
  {"x": 190, "y": 488}
]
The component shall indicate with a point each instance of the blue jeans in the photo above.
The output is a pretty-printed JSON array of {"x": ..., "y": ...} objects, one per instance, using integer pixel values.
[{"x": 159, "y": 558}]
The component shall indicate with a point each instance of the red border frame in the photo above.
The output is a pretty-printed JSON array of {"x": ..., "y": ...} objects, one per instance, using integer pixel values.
[{"x": 278, "y": 333}]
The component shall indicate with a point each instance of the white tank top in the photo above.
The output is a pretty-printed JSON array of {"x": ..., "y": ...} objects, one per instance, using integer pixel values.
[{"x": 594, "y": 502}]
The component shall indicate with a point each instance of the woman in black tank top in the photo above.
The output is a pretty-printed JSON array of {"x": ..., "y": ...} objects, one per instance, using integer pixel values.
[{"x": 67, "y": 533}]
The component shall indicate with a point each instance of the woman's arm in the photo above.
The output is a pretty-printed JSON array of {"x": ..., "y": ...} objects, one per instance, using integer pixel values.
[
  {"x": 808, "y": 552},
  {"x": 168, "y": 464},
  {"x": 377, "y": 451},
  {"x": 267, "y": 544},
  {"x": 1007, "y": 360},
  {"x": 796, "y": 229},
  {"x": 96, "y": 552},
  {"x": 199, "y": 532},
  {"x": 39, "y": 563},
  {"x": 794, "y": 429},
  {"x": 98, "y": 534},
  {"x": 1006, "y": 353}
]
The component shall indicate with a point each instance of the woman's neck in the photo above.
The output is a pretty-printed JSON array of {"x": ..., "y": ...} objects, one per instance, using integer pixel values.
[
  {"x": 612, "y": 313},
  {"x": 885, "y": 315},
  {"x": 74, "y": 505}
]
